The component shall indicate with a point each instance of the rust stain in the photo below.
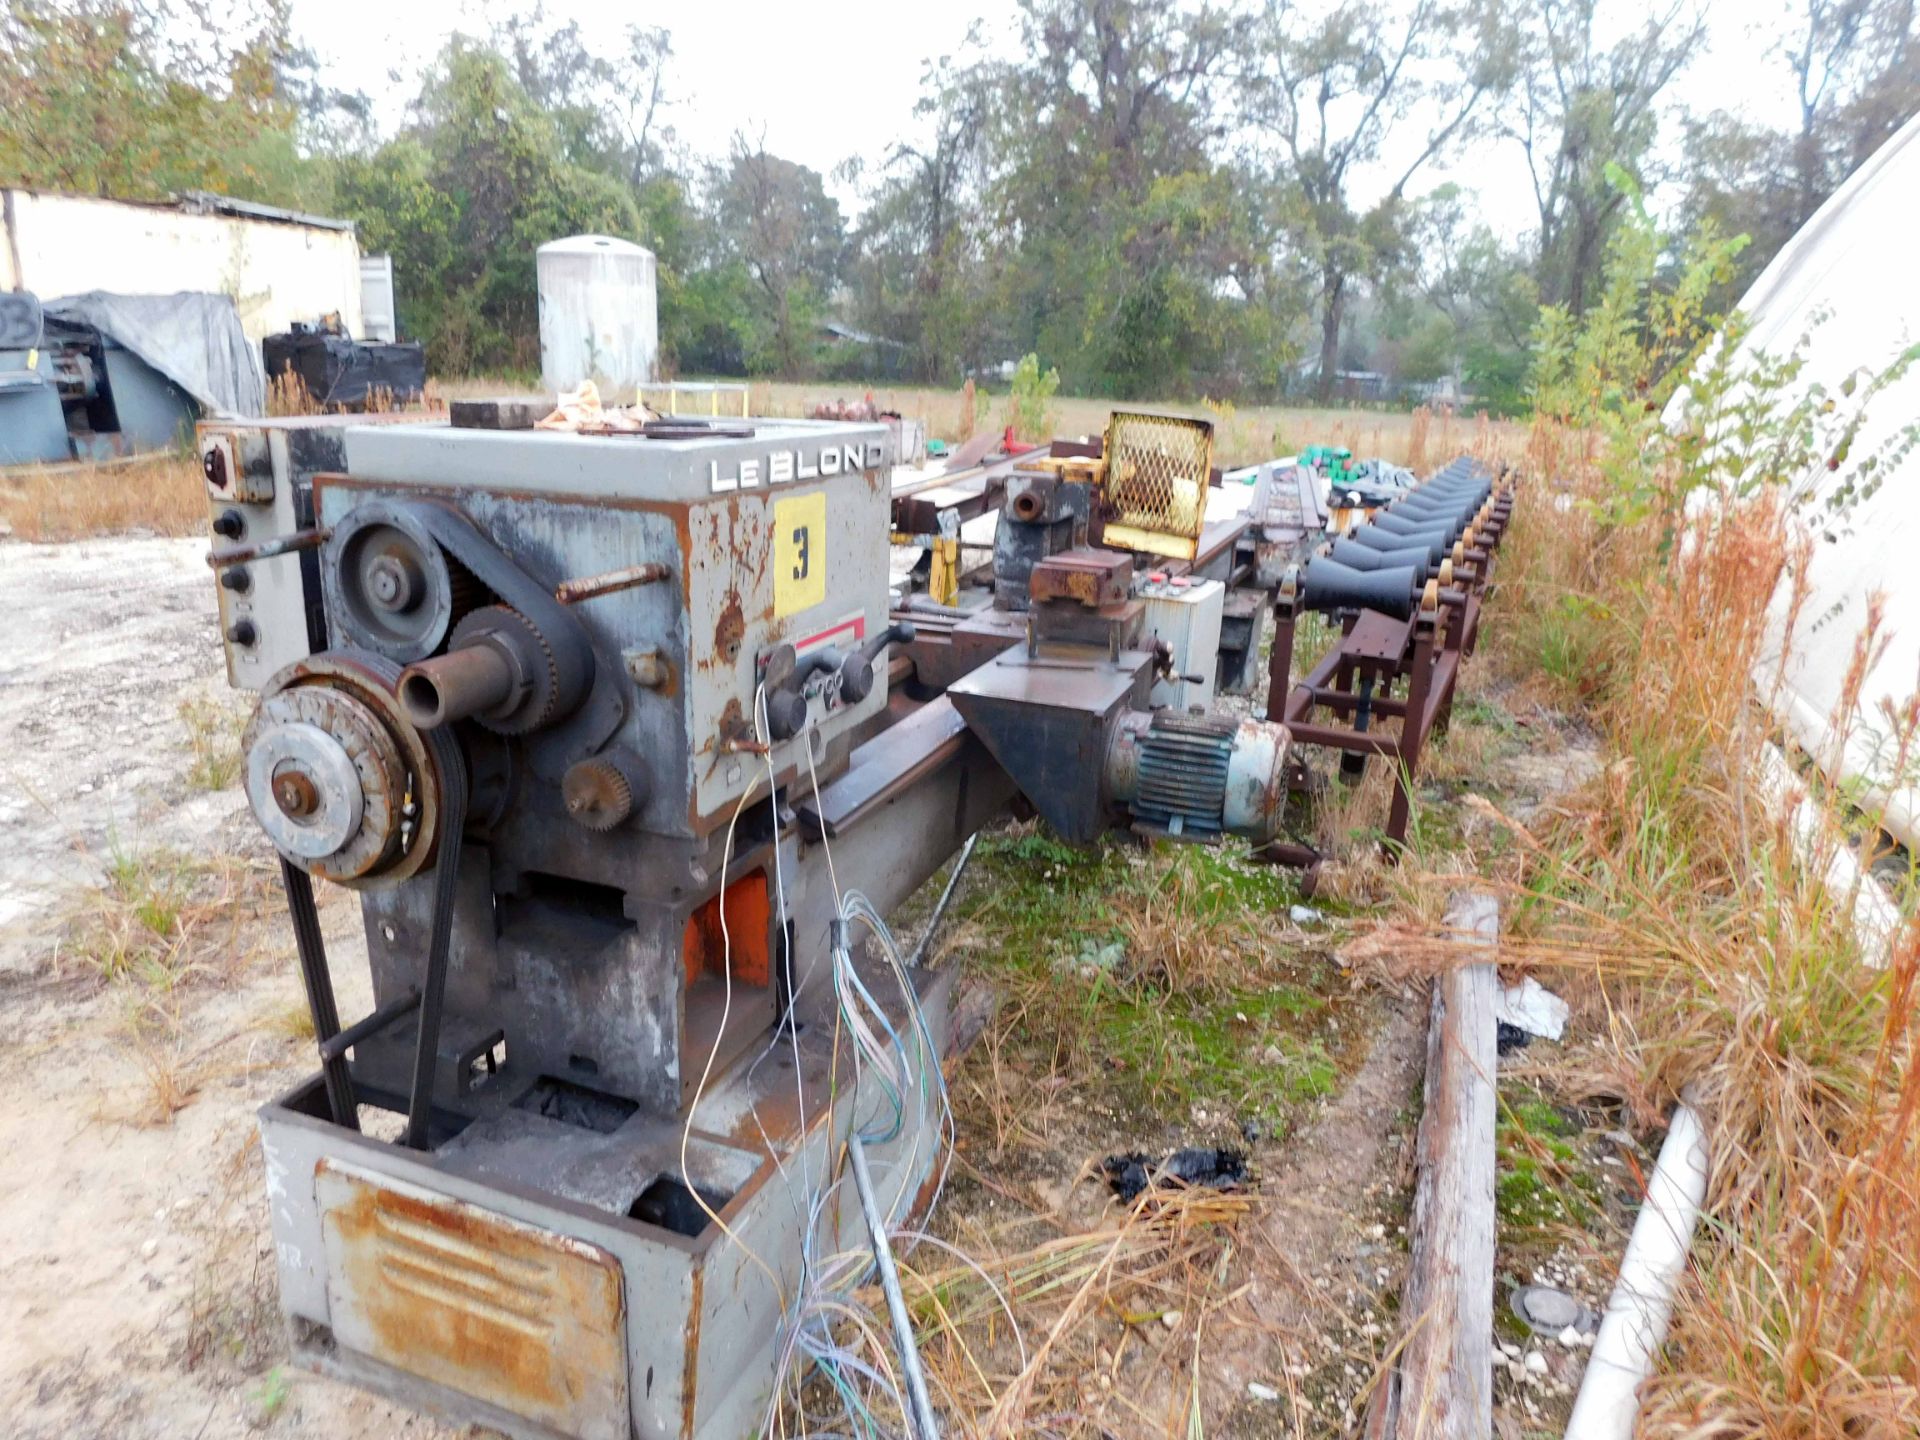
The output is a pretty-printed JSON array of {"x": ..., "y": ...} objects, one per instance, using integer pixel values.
[
  {"x": 734, "y": 729},
  {"x": 729, "y": 632},
  {"x": 690, "y": 1370},
  {"x": 524, "y": 1319}
]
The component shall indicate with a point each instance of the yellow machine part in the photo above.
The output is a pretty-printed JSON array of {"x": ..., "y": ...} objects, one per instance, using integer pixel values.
[{"x": 1155, "y": 486}]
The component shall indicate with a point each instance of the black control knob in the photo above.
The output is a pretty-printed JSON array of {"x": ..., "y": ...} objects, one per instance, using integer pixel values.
[
  {"x": 244, "y": 633},
  {"x": 786, "y": 714},
  {"x": 856, "y": 671},
  {"x": 230, "y": 524},
  {"x": 237, "y": 579}
]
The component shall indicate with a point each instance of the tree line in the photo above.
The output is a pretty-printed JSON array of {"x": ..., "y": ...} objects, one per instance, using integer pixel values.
[{"x": 1236, "y": 200}]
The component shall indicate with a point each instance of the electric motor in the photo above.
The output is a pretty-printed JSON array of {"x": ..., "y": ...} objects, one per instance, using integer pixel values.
[{"x": 1197, "y": 776}]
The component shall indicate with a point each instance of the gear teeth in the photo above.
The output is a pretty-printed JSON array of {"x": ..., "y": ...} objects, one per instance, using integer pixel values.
[
  {"x": 539, "y": 710},
  {"x": 598, "y": 793}
]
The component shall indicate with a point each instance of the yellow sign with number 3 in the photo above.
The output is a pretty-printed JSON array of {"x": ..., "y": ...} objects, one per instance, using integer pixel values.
[{"x": 799, "y": 553}]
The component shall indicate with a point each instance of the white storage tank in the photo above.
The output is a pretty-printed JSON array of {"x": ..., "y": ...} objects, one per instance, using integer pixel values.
[{"x": 599, "y": 315}]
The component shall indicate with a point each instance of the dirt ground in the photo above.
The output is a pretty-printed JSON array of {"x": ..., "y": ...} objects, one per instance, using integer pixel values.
[{"x": 134, "y": 1272}]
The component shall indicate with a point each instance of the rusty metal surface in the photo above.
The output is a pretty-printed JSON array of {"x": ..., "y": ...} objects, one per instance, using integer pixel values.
[
  {"x": 522, "y": 1318},
  {"x": 1423, "y": 651},
  {"x": 589, "y": 587},
  {"x": 1047, "y": 719},
  {"x": 1378, "y": 637},
  {"x": 918, "y": 512},
  {"x": 1088, "y": 577}
]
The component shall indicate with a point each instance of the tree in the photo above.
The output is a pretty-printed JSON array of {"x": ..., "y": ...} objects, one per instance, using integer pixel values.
[
  {"x": 917, "y": 262},
  {"x": 1330, "y": 91},
  {"x": 783, "y": 227},
  {"x": 610, "y": 108},
  {"x": 1484, "y": 291},
  {"x": 1125, "y": 250},
  {"x": 1855, "y": 65},
  {"x": 463, "y": 198},
  {"x": 1582, "y": 107},
  {"x": 139, "y": 98}
]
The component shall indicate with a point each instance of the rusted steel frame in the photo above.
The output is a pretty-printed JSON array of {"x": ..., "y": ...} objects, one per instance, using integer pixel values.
[
  {"x": 1456, "y": 627},
  {"x": 588, "y": 587},
  {"x": 914, "y": 514},
  {"x": 1280, "y": 660},
  {"x": 267, "y": 549},
  {"x": 1343, "y": 700},
  {"x": 1469, "y": 626},
  {"x": 318, "y": 980},
  {"x": 433, "y": 985},
  {"x": 1297, "y": 709},
  {"x": 1336, "y": 737},
  {"x": 1289, "y": 853},
  {"x": 337, "y": 1046},
  {"x": 1334, "y": 666},
  {"x": 1411, "y": 738},
  {"x": 1446, "y": 675}
]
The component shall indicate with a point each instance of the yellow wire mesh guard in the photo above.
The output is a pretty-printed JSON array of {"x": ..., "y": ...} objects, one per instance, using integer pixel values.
[{"x": 1156, "y": 482}]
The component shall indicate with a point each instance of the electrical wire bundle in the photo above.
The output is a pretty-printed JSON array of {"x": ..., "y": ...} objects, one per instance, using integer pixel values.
[{"x": 825, "y": 1330}]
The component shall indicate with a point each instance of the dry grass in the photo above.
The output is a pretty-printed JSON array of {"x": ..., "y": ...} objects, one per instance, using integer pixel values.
[
  {"x": 287, "y": 394},
  {"x": 213, "y": 725},
  {"x": 1242, "y": 436},
  {"x": 1083, "y": 1329},
  {"x": 156, "y": 495},
  {"x": 233, "y": 1323},
  {"x": 164, "y": 918},
  {"x": 1668, "y": 898}
]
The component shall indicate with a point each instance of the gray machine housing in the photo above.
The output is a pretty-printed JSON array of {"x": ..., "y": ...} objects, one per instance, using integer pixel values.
[{"x": 545, "y": 1264}]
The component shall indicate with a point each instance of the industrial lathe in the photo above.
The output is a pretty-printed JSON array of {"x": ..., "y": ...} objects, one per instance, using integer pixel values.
[{"x": 627, "y": 746}]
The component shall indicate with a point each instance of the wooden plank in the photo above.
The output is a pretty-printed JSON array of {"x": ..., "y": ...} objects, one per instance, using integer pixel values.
[{"x": 1441, "y": 1387}]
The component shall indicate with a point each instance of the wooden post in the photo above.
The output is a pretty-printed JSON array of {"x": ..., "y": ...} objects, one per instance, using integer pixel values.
[{"x": 1441, "y": 1387}]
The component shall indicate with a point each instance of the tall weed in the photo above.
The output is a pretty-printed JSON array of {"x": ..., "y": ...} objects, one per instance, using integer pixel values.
[{"x": 1649, "y": 569}]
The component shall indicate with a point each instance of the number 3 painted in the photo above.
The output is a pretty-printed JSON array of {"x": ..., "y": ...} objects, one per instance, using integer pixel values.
[{"x": 799, "y": 575}]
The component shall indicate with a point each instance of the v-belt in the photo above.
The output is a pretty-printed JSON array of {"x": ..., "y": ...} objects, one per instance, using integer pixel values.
[{"x": 319, "y": 979}]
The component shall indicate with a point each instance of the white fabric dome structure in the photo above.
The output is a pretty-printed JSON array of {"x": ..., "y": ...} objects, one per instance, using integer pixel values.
[{"x": 1845, "y": 294}]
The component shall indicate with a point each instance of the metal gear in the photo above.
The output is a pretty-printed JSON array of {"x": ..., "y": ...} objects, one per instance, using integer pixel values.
[
  {"x": 326, "y": 780},
  {"x": 393, "y": 586},
  {"x": 537, "y": 697},
  {"x": 600, "y": 792}
]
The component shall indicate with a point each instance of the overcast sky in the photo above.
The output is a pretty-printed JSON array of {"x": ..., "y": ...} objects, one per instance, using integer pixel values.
[{"x": 827, "y": 82}]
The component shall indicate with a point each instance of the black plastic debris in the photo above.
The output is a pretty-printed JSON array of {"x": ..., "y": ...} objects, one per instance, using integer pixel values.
[
  {"x": 1509, "y": 1038},
  {"x": 341, "y": 373},
  {"x": 1133, "y": 1172}
]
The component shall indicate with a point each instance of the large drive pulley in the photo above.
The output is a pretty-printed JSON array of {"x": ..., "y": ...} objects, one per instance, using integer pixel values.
[
  {"x": 396, "y": 592},
  {"x": 342, "y": 784}
]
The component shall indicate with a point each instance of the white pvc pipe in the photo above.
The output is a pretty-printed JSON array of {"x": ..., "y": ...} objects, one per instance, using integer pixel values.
[
  {"x": 1876, "y": 919},
  {"x": 1635, "y": 1325}
]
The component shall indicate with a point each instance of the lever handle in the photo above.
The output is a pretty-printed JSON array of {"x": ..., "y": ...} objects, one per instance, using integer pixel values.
[{"x": 856, "y": 671}]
